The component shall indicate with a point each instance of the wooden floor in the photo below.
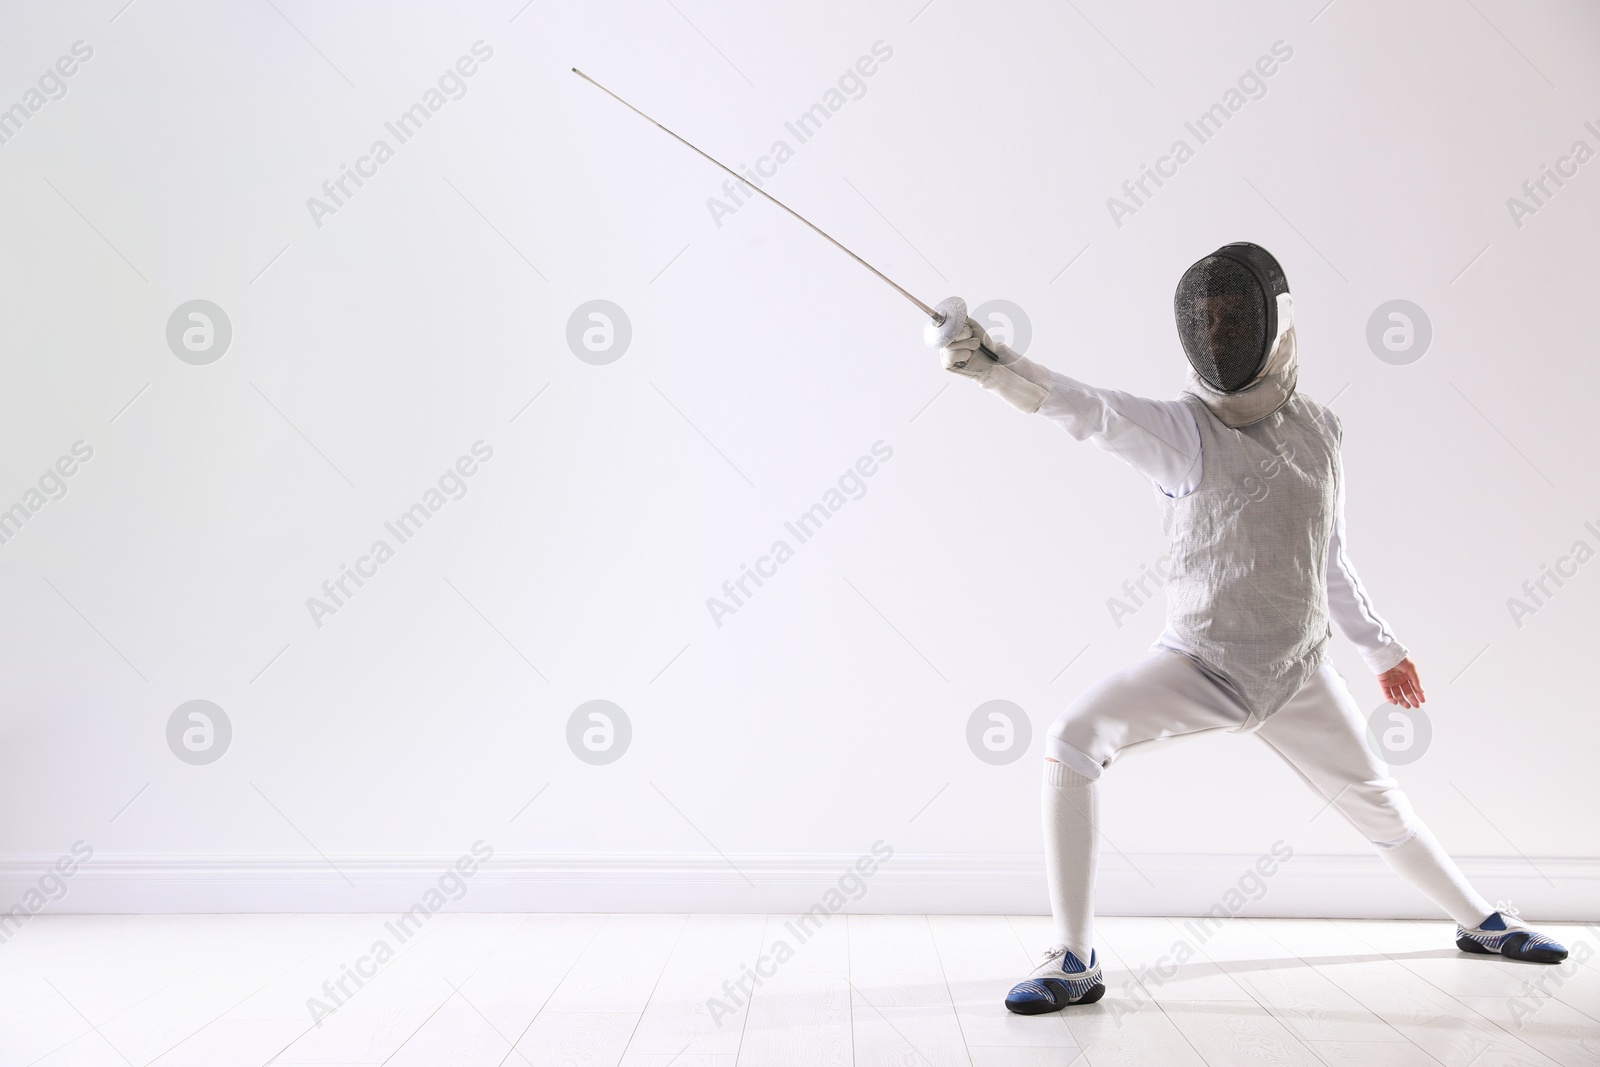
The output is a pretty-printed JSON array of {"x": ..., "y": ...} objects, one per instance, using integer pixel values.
[{"x": 894, "y": 990}]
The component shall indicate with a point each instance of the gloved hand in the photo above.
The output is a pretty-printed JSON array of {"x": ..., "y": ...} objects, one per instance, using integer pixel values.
[
  {"x": 961, "y": 352},
  {"x": 965, "y": 355}
]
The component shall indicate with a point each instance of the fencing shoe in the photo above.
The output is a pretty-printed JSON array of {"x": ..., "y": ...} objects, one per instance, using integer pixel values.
[
  {"x": 1060, "y": 980},
  {"x": 1509, "y": 938}
]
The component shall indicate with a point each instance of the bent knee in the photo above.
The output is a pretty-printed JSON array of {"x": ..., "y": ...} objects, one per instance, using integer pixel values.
[{"x": 1059, "y": 749}]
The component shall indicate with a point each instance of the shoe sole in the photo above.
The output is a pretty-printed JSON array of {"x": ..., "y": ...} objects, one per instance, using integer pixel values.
[{"x": 1042, "y": 1007}]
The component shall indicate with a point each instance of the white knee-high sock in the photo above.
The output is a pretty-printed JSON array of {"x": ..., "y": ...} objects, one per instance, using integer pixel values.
[
  {"x": 1070, "y": 851},
  {"x": 1425, "y": 865}
]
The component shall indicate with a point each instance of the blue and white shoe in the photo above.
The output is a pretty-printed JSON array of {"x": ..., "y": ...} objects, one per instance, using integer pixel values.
[
  {"x": 1060, "y": 980},
  {"x": 1511, "y": 939}
]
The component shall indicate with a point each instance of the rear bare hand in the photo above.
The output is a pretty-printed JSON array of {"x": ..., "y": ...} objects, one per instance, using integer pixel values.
[{"x": 1401, "y": 686}]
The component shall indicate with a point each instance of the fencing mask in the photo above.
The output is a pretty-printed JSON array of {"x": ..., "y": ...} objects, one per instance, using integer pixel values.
[{"x": 1234, "y": 319}]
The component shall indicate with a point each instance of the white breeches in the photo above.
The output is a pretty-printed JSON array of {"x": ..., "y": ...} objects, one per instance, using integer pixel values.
[{"x": 1320, "y": 733}]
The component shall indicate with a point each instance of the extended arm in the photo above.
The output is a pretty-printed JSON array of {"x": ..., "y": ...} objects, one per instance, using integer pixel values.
[{"x": 1157, "y": 438}]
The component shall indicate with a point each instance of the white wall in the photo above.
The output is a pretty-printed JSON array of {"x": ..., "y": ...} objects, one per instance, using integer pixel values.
[{"x": 369, "y": 352}]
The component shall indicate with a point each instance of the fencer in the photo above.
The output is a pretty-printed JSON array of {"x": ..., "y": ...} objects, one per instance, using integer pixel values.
[{"x": 1248, "y": 473}]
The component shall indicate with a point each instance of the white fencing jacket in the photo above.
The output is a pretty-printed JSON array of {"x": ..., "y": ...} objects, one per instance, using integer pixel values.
[{"x": 1159, "y": 439}]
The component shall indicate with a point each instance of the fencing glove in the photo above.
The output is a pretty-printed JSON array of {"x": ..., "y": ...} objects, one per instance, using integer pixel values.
[{"x": 962, "y": 353}]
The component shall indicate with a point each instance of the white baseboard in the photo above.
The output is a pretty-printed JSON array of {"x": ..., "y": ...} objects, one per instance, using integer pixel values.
[{"x": 908, "y": 883}]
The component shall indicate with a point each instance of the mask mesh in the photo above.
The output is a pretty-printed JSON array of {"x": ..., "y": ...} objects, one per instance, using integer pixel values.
[{"x": 1223, "y": 322}]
